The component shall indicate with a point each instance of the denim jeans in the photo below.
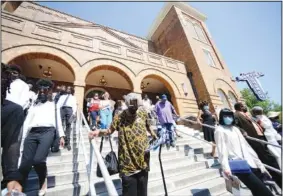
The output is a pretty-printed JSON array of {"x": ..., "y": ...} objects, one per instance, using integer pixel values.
[{"x": 105, "y": 118}]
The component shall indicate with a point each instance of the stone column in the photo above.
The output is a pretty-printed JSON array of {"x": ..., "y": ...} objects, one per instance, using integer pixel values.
[{"x": 79, "y": 88}]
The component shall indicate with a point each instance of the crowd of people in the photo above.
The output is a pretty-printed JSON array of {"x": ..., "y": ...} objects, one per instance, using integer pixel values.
[
  {"x": 230, "y": 138},
  {"x": 34, "y": 120}
]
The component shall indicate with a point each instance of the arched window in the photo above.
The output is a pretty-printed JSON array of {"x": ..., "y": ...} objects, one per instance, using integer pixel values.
[
  {"x": 223, "y": 98},
  {"x": 232, "y": 98},
  {"x": 200, "y": 33}
]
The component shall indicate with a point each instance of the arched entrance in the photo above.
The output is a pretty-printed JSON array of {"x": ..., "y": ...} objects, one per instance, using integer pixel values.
[
  {"x": 34, "y": 65},
  {"x": 90, "y": 92},
  {"x": 111, "y": 79},
  {"x": 154, "y": 85}
]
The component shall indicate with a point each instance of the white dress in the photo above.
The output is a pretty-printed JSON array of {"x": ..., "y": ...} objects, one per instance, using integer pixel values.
[{"x": 272, "y": 137}]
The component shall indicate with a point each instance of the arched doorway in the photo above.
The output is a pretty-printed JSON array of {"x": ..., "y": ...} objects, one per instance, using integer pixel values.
[
  {"x": 90, "y": 92},
  {"x": 154, "y": 85},
  {"x": 35, "y": 64},
  {"x": 111, "y": 79}
]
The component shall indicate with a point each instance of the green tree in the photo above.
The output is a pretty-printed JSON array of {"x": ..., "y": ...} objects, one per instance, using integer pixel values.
[{"x": 251, "y": 101}]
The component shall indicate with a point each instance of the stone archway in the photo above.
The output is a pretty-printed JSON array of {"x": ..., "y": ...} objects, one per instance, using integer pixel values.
[
  {"x": 44, "y": 51},
  {"x": 159, "y": 83},
  {"x": 118, "y": 83},
  {"x": 110, "y": 65},
  {"x": 34, "y": 63}
]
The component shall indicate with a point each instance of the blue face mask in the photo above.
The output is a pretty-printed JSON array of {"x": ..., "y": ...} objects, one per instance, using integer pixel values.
[
  {"x": 228, "y": 120},
  {"x": 206, "y": 107}
]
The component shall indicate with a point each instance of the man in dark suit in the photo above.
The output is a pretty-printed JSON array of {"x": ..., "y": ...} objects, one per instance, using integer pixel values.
[{"x": 250, "y": 128}]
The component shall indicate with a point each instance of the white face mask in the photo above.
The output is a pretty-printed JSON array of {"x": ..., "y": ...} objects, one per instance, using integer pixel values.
[{"x": 258, "y": 117}]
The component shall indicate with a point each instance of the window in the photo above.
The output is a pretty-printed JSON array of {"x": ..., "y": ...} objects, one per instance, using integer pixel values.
[
  {"x": 223, "y": 98},
  {"x": 200, "y": 33},
  {"x": 232, "y": 98},
  {"x": 191, "y": 29},
  {"x": 209, "y": 58}
]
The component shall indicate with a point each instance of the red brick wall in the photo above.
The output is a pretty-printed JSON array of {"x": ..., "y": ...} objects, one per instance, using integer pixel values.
[{"x": 170, "y": 40}]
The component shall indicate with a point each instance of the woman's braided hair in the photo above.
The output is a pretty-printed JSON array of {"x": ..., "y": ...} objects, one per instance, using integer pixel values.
[{"x": 6, "y": 81}]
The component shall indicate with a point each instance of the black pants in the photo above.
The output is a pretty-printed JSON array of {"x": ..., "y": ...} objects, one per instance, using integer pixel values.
[
  {"x": 267, "y": 158},
  {"x": 66, "y": 115},
  {"x": 135, "y": 185},
  {"x": 36, "y": 149},
  {"x": 254, "y": 183},
  {"x": 12, "y": 118}
]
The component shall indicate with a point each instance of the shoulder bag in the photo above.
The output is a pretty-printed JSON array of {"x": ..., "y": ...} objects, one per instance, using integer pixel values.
[{"x": 240, "y": 166}]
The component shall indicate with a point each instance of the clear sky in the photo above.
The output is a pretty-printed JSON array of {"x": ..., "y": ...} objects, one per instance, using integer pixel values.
[{"x": 248, "y": 34}]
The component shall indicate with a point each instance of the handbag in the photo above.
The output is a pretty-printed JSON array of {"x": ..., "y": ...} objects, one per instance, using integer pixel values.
[
  {"x": 239, "y": 166},
  {"x": 110, "y": 160}
]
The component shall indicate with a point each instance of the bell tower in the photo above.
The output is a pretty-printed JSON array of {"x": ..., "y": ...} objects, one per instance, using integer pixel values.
[{"x": 180, "y": 32}]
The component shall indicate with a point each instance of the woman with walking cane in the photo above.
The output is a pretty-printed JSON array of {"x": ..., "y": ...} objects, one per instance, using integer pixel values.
[
  {"x": 236, "y": 156},
  {"x": 132, "y": 125},
  {"x": 40, "y": 128}
]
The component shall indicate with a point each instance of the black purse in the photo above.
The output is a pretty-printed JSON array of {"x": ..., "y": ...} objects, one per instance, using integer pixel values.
[{"x": 110, "y": 161}]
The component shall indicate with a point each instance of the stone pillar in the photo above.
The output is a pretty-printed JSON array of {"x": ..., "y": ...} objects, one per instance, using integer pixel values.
[{"x": 79, "y": 89}]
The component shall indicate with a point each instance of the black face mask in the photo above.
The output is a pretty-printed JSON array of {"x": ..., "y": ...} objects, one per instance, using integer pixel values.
[{"x": 42, "y": 98}]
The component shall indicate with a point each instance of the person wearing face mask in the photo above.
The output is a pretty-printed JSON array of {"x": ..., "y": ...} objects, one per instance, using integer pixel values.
[
  {"x": 165, "y": 111},
  {"x": 133, "y": 158},
  {"x": 205, "y": 117},
  {"x": 270, "y": 133},
  {"x": 94, "y": 110},
  {"x": 68, "y": 108},
  {"x": 39, "y": 131},
  {"x": 12, "y": 119},
  {"x": 249, "y": 127},
  {"x": 231, "y": 145}
]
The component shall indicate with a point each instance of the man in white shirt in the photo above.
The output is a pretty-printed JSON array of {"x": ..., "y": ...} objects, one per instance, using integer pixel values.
[
  {"x": 32, "y": 96},
  {"x": 40, "y": 128},
  {"x": 12, "y": 118},
  {"x": 68, "y": 108}
]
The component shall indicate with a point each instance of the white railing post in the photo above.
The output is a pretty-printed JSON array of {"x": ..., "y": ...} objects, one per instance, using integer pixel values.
[{"x": 107, "y": 179}]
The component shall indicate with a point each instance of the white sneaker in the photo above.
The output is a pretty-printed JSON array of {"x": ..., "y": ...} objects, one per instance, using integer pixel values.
[{"x": 42, "y": 192}]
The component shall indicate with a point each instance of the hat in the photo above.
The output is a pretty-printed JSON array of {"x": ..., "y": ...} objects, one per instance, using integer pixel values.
[
  {"x": 257, "y": 108},
  {"x": 273, "y": 114},
  {"x": 164, "y": 97},
  {"x": 16, "y": 68},
  {"x": 44, "y": 83}
]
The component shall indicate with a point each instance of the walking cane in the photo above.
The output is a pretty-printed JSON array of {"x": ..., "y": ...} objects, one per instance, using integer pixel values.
[{"x": 162, "y": 172}]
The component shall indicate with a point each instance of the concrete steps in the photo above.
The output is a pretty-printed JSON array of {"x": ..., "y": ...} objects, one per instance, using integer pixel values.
[{"x": 185, "y": 167}]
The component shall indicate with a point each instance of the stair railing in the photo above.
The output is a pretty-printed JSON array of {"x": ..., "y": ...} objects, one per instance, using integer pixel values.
[
  {"x": 90, "y": 163},
  {"x": 248, "y": 137}
]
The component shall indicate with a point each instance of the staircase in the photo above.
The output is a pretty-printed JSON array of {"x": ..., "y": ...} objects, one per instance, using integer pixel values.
[{"x": 187, "y": 168}]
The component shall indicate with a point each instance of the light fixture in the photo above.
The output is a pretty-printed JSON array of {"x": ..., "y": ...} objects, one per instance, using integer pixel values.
[
  {"x": 143, "y": 86},
  {"x": 102, "y": 81},
  {"x": 46, "y": 73}
]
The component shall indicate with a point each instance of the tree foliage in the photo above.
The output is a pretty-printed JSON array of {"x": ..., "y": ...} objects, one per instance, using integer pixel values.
[{"x": 251, "y": 101}]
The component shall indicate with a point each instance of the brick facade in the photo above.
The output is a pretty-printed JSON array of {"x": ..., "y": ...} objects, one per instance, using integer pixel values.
[{"x": 75, "y": 51}]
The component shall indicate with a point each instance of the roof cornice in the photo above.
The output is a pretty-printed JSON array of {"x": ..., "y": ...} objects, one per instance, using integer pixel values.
[{"x": 186, "y": 8}]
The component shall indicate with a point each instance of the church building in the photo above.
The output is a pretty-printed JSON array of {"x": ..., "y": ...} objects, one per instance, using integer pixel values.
[{"x": 178, "y": 57}]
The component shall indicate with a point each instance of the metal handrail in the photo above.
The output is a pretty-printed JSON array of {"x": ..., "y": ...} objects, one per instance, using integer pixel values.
[
  {"x": 107, "y": 179},
  {"x": 82, "y": 144},
  {"x": 251, "y": 138}
]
